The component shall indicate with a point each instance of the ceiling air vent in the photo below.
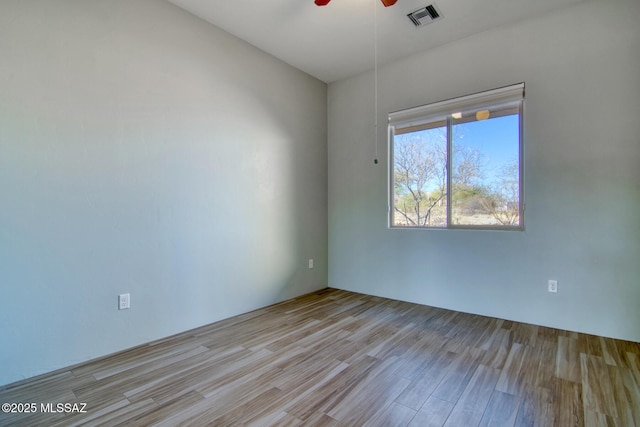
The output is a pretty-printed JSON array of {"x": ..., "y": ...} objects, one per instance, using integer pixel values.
[{"x": 425, "y": 15}]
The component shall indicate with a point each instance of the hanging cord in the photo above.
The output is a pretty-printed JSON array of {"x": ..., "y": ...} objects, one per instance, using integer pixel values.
[{"x": 375, "y": 81}]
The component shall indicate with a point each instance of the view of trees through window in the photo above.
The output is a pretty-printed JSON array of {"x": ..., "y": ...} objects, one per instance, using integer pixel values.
[{"x": 484, "y": 165}]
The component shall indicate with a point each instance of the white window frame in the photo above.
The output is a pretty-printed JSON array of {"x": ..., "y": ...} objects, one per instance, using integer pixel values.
[{"x": 508, "y": 96}]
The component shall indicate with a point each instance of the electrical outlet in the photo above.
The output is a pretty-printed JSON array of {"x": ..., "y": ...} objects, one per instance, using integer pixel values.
[
  {"x": 553, "y": 286},
  {"x": 310, "y": 263},
  {"x": 124, "y": 301}
]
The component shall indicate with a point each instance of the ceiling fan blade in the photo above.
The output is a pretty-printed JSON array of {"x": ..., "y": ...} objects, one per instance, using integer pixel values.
[{"x": 386, "y": 3}]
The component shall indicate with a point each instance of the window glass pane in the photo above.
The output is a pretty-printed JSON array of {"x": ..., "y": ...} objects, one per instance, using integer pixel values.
[
  {"x": 420, "y": 178},
  {"x": 485, "y": 169}
]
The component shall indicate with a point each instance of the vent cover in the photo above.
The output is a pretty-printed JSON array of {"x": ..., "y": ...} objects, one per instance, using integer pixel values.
[{"x": 425, "y": 15}]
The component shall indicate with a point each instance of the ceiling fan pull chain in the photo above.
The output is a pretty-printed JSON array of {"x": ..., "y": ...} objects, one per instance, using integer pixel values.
[{"x": 375, "y": 82}]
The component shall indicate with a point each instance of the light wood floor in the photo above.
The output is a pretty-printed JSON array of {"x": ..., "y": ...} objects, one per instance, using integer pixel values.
[{"x": 335, "y": 358}]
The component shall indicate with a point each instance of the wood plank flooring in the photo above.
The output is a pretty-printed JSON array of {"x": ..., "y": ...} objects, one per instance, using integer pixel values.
[{"x": 336, "y": 358}]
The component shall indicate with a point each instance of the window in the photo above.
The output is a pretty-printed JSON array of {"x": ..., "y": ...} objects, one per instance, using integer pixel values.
[{"x": 458, "y": 163}]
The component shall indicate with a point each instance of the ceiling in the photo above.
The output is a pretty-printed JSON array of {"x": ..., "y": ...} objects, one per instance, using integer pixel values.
[{"x": 337, "y": 41}]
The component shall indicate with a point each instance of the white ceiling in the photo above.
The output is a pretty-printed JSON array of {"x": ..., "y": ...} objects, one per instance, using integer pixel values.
[{"x": 337, "y": 40}]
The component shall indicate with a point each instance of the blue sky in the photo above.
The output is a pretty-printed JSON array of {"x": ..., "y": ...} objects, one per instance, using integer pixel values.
[{"x": 496, "y": 139}]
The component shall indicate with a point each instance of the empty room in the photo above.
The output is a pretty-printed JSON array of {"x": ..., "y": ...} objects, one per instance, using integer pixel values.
[{"x": 320, "y": 213}]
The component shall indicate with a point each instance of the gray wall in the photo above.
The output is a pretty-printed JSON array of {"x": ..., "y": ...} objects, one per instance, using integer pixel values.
[
  {"x": 145, "y": 151},
  {"x": 582, "y": 146}
]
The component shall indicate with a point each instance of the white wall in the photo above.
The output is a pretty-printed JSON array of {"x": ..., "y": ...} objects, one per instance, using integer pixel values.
[
  {"x": 143, "y": 150},
  {"x": 582, "y": 157}
]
